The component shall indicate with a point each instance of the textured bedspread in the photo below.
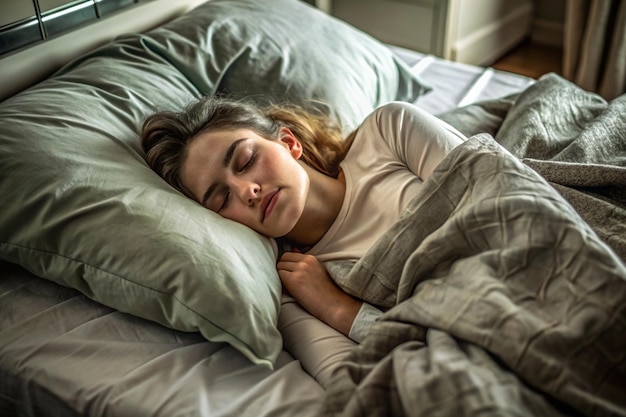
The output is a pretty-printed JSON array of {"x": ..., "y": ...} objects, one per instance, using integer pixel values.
[{"x": 503, "y": 299}]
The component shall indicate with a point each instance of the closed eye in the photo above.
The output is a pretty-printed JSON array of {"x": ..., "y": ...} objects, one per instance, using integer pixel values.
[
  {"x": 249, "y": 162},
  {"x": 225, "y": 202}
]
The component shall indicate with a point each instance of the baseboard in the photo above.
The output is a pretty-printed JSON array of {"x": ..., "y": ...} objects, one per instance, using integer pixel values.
[{"x": 484, "y": 46}]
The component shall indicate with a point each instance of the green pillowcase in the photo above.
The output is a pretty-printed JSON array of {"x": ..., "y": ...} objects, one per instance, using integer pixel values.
[
  {"x": 81, "y": 207},
  {"x": 285, "y": 50}
]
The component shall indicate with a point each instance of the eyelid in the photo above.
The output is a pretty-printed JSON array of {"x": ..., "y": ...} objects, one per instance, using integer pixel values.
[
  {"x": 233, "y": 155},
  {"x": 249, "y": 161},
  {"x": 227, "y": 161},
  {"x": 224, "y": 203},
  {"x": 216, "y": 193}
]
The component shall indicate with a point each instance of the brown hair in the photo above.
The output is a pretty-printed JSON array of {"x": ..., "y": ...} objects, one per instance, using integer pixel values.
[{"x": 166, "y": 135}]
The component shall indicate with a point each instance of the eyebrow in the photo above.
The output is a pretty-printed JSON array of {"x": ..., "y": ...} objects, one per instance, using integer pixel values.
[{"x": 228, "y": 157}]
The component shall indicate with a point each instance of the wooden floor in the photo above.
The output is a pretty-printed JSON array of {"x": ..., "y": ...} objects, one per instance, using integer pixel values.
[{"x": 531, "y": 59}]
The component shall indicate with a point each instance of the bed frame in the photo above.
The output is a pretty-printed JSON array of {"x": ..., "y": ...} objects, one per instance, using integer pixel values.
[{"x": 31, "y": 64}]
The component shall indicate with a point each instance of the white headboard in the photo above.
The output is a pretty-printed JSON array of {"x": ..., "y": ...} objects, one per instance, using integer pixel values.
[{"x": 26, "y": 67}]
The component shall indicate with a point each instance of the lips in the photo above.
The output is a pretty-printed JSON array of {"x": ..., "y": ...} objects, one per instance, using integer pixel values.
[{"x": 268, "y": 203}]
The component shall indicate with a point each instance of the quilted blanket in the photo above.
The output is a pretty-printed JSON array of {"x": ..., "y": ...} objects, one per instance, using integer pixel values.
[{"x": 505, "y": 291}]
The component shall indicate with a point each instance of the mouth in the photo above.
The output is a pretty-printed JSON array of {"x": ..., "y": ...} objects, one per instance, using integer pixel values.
[{"x": 268, "y": 203}]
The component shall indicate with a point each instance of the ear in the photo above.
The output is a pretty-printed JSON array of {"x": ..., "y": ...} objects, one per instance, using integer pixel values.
[{"x": 292, "y": 143}]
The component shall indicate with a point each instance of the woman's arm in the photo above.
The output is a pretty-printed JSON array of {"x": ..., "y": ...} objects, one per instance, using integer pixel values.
[
  {"x": 306, "y": 280},
  {"x": 416, "y": 138},
  {"x": 317, "y": 346}
]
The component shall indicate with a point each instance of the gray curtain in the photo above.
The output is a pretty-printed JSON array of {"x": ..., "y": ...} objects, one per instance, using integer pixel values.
[{"x": 595, "y": 45}]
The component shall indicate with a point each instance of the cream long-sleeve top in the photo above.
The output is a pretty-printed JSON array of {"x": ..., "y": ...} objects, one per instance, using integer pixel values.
[{"x": 395, "y": 150}]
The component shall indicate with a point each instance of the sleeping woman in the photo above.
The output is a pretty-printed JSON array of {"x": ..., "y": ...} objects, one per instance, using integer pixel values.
[{"x": 290, "y": 174}]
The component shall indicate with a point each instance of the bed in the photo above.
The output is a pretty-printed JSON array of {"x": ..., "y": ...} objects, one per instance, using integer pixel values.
[{"x": 504, "y": 284}]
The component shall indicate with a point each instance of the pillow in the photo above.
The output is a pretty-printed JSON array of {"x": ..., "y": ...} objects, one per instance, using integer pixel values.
[
  {"x": 82, "y": 208},
  {"x": 285, "y": 50}
]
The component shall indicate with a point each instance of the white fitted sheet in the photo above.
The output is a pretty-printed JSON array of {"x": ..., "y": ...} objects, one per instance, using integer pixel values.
[
  {"x": 456, "y": 84},
  {"x": 62, "y": 354}
]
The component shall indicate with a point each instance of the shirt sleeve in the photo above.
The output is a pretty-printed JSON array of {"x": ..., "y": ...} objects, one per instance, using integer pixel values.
[
  {"x": 415, "y": 137},
  {"x": 318, "y": 347},
  {"x": 363, "y": 321}
]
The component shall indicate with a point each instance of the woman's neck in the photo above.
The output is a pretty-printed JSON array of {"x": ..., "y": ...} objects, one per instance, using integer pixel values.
[{"x": 322, "y": 207}]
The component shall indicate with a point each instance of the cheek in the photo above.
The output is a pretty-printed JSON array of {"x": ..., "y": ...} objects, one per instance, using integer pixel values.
[
  {"x": 294, "y": 169},
  {"x": 240, "y": 216},
  {"x": 299, "y": 181}
]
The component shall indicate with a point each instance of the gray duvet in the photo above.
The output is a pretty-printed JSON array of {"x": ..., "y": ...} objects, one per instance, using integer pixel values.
[{"x": 504, "y": 281}]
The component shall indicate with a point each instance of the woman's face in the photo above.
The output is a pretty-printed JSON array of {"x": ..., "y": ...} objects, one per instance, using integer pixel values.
[{"x": 247, "y": 178}]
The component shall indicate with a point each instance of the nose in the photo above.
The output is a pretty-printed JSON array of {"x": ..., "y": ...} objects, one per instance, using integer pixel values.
[{"x": 247, "y": 191}]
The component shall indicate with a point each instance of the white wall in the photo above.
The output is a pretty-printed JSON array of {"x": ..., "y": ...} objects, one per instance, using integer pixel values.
[{"x": 487, "y": 29}]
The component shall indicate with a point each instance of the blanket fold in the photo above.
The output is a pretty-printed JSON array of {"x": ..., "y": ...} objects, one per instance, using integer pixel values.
[
  {"x": 573, "y": 138},
  {"x": 503, "y": 299}
]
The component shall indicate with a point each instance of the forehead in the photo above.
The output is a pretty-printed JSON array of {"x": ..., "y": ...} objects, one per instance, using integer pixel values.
[
  {"x": 211, "y": 145},
  {"x": 204, "y": 154}
]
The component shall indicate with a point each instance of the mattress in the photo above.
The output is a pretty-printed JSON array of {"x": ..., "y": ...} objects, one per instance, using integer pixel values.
[
  {"x": 456, "y": 84},
  {"x": 62, "y": 354}
]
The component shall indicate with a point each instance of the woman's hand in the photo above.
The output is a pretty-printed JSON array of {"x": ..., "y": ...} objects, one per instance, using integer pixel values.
[{"x": 306, "y": 279}]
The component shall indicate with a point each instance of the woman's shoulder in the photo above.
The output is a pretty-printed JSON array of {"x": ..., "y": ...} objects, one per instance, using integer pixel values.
[
  {"x": 379, "y": 128},
  {"x": 387, "y": 118},
  {"x": 395, "y": 107},
  {"x": 390, "y": 113}
]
